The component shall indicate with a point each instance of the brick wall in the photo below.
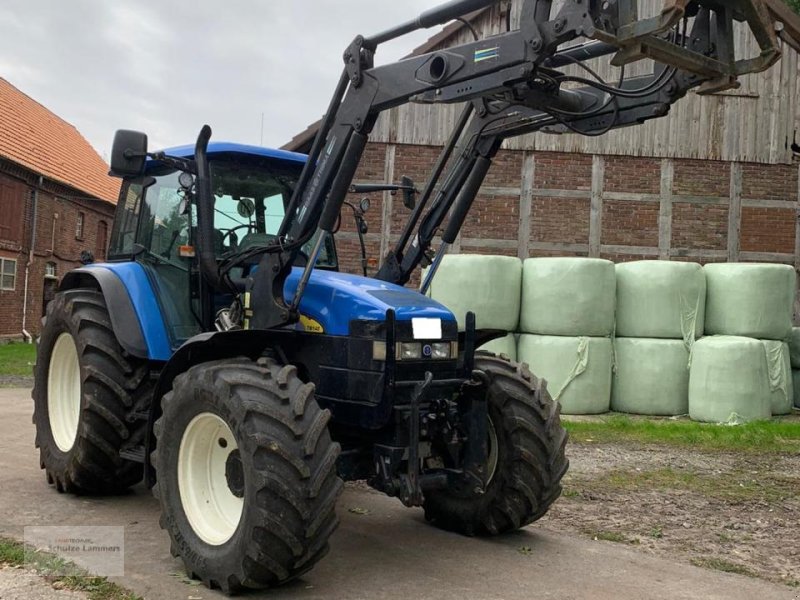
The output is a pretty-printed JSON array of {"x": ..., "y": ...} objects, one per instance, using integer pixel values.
[
  {"x": 57, "y": 214},
  {"x": 648, "y": 207}
]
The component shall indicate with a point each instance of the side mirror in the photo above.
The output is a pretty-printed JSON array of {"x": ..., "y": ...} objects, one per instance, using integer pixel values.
[
  {"x": 409, "y": 193},
  {"x": 128, "y": 153}
]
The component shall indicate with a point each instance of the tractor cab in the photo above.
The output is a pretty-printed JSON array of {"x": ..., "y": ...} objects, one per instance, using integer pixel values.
[{"x": 156, "y": 224}]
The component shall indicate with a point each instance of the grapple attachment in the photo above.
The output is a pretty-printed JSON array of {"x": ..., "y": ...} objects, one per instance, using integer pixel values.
[{"x": 713, "y": 58}]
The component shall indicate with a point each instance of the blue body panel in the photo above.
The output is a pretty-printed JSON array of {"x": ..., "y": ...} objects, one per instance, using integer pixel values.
[
  {"x": 334, "y": 299},
  {"x": 145, "y": 305},
  {"x": 230, "y": 147}
]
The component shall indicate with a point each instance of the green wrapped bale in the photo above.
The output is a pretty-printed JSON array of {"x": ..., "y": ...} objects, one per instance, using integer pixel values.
[
  {"x": 729, "y": 380},
  {"x": 794, "y": 347},
  {"x": 661, "y": 299},
  {"x": 651, "y": 377},
  {"x": 489, "y": 286},
  {"x": 780, "y": 376},
  {"x": 568, "y": 296},
  {"x": 751, "y": 300},
  {"x": 505, "y": 345},
  {"x": 796, "y": 387},
  {"x": 577, "y": 370}
]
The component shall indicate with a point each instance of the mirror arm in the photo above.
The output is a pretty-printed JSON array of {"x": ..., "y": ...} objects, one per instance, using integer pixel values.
[
  {"x": 366, "y": 188},
  {"x": 182, "y": 164}
]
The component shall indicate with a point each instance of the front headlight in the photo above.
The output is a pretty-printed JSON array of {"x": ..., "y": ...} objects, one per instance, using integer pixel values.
[
  {"x": 378, "y": 350},
  {"x": 417, "y": 351},
  {"x": 409, "y": 351},
  {"x": 440, "y": 350}
]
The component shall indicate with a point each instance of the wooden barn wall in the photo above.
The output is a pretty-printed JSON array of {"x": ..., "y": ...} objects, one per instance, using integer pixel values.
[{"x": 755, "y": 123}]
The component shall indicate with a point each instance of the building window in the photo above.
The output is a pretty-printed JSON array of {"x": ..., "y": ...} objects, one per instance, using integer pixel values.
[
  {"x": 50, "y": 270},
  {"x": 8, "y": 274},
  {"x": 79, "y": 226}
]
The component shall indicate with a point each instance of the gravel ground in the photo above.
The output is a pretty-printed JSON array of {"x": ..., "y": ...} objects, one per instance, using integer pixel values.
[
  {"x": 19, "y": 584},
  {"x": 722, "y": 511},
  {"x": 16, "y": 381}
]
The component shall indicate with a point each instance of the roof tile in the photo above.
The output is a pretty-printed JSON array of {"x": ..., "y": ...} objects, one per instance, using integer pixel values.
[{"x": 34, "y": 137}]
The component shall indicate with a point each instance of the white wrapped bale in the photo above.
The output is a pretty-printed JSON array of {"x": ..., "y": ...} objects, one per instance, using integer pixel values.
[
  {"x": 729, "y": 380},
  {"x": 780, "y": 377},
  {"x": 505, "y": 345},
  {"x": 577, "y": 370},
  {"x": 796, "y": 387},
  {"x": 489, "y": 286},
  {"x": 568, "y": 296},
  {"x": 661, "y": 299},
  {"x": 651, "y": 377},
  {"x": 794, "y": 347},
  {"x": 752, "y": 300}
]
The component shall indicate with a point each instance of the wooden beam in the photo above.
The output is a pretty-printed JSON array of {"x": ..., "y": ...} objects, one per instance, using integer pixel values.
[
  {"x": 695, "y": 253},
  {"x": 488, "y": 190},
  {"x": 630, "y": 250},
  {"x": 488, "y": 243},
  {"x": 682, "y": 199},
  {"x": 783, "y": 204},
  {"x": 735, "y": 213},
  {"x": 558, "y": 247},
  {"x": 526, "y": 204},
  {"x": 575, "y": 194},
  {"x": 596, "y": 208},
  {"x": 665, "y": 209},
  {"x": 631, "y": 197},
  {"x": 386, "y": 215},
  {"x": 797, "y": 225},
  {"x": 767, "y": 256}
]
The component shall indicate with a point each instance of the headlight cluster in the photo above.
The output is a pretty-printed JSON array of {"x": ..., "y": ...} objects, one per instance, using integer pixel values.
[{"x": 417, "y": 350}]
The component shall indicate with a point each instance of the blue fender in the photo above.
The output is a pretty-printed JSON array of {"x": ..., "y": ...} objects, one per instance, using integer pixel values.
[{"x": 132, "y": 306}]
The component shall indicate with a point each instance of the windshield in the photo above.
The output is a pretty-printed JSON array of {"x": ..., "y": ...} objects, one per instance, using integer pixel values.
[{"x": 250, "y": 198}]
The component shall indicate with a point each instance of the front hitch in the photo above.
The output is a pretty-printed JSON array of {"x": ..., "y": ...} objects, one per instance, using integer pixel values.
[{"x": 474, "y": 407}]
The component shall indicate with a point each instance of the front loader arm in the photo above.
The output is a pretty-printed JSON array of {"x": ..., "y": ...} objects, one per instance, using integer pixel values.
[{"x": 513, "y": 85}]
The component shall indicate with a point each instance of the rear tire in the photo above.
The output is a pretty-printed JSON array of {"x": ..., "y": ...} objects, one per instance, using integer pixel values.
[
  {"x": 530, "y": 461},
  {"x": 86, "y": 390},
  {"x": 271, "y": 509}
]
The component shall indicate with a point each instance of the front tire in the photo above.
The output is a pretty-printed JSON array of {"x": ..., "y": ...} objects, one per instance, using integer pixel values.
[
  {"x": 246, "y": 473},
  {"x": 526, "y": 457},
  {"x": 86, "y": 393}
]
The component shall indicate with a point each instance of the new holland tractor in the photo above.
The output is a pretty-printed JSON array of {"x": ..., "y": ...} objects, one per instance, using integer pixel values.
[{"x": 221, "y": 356}]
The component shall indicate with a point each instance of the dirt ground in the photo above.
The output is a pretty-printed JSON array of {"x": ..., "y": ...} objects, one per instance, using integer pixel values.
[{"x": 727, "y": 512}]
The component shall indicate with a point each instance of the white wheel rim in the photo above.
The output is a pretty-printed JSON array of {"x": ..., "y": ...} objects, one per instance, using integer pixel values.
[
  {"x": 491, "y": 462},
  {"x": 208, "y": 502},
  {"x": 64, "y": 392}
]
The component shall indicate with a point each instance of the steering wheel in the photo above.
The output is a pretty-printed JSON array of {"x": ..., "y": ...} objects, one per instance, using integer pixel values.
[{"x": 229, "y": 232}]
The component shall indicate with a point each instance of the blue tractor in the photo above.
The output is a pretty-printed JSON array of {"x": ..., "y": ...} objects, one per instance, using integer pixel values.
[{"x": 221, "y": 356}]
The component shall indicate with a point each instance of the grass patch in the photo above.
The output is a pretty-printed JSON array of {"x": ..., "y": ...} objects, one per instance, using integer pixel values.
[
  {"x": 719, "y": 564},
  {"x": 61, "y": 574},
  {"x": 729, "y": 487},
  {"x": 758, "y": 437},
  {"x": 17, "y": 359}
]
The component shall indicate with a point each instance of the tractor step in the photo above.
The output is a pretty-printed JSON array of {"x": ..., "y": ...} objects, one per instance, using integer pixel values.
[{"x": 135, "y": 454}]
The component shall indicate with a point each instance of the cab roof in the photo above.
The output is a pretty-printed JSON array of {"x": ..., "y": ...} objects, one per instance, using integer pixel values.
[{"x": 233, "y": 148}]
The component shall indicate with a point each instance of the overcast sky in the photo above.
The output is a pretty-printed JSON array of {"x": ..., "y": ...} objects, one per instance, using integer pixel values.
[{"x": 167, "y": 68}]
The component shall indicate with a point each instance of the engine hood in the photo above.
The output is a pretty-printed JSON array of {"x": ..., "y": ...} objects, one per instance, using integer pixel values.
[{"x": 335, "y": 299}]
